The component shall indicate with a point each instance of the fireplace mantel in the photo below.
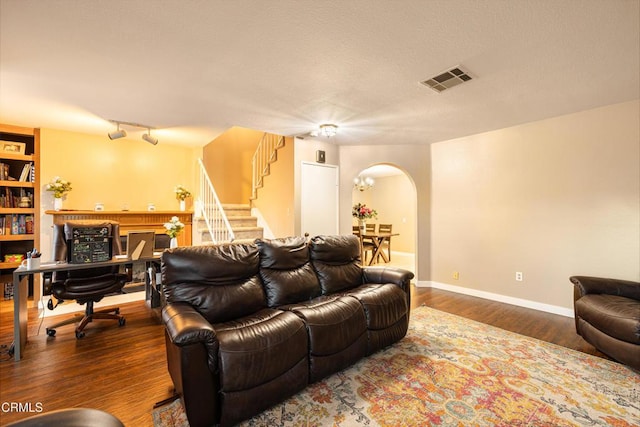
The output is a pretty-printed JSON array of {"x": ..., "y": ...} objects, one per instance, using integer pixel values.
[{"x": 132, "y": 220}]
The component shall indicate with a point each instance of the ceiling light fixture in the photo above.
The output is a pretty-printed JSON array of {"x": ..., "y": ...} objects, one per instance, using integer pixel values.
[
  {"x": 121, "y": 133},
  {"x": 328, "y": 130},
  {"x": 118, "y": 133},
  {"x": 361, "y": 183},
  {"x": 150, "y": 139}
]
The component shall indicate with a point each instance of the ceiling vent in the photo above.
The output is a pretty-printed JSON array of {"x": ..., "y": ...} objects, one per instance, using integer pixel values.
[{"x": 448, "y": 79}]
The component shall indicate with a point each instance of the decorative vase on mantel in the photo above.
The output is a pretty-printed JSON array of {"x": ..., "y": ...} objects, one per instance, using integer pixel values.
[
  {"x": 183, "y": 206},
  {"x": 57, "y": 203},
  {"x": 362, "y": 223},
  {"x": 173, "y": 243}
]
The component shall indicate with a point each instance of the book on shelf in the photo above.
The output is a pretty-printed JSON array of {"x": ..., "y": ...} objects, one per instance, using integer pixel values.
[
  {"x": 26, "y": 172},
  {"x": 16, "y": 224}
]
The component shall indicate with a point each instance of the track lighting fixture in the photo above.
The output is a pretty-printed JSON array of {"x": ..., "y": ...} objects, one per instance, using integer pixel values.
[
  {"x": 147, "y": 137},
  {"x": 118, "y": 133},
  {"x": 121, "y": 133}
]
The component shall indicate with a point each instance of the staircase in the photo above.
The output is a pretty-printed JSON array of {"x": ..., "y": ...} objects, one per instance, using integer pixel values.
[
  {"x": 244, "y": 226},
  {"x": 266, "y": 153},
  {"x": 233, "y": 222}
]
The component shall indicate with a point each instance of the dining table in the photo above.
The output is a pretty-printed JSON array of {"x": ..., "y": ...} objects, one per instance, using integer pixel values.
[{"x": 378, "y": 239}]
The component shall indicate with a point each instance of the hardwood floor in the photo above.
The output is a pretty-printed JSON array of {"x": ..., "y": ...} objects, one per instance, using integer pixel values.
[{"x": 122, "y": 370}]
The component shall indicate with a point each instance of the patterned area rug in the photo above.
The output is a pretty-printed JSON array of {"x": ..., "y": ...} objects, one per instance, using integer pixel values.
[{"x": 451, "y": 371}]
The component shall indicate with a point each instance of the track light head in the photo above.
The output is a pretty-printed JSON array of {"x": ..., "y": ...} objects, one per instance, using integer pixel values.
[
  {"x": 151, "y": 140},
  {"x": 120, "y": 133}
]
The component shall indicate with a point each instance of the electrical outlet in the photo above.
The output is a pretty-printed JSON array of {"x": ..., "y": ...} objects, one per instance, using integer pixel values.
[
  {"x": 456, "y": 275},
  {"x": 519, "y": 277}
]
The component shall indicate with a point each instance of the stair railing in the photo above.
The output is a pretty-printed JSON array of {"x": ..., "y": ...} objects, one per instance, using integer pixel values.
[
  {"x": 265, "y": 154},
  {"x": 212, "y": 211}
]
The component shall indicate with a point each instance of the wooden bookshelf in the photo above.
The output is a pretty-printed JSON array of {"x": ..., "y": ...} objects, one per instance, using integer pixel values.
[{"x": 19, "y": 193}]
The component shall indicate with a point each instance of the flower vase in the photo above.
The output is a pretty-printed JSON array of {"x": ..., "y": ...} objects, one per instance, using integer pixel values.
[
  {"x": 363, "y": 225},
  {"x": 57, "y": 203},
  {"x": 183, "y": 206},
  {"x": 173, "y": 243}
]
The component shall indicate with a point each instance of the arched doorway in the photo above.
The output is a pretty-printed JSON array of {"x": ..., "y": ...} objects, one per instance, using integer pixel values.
[{"x": 391, "y": 192}]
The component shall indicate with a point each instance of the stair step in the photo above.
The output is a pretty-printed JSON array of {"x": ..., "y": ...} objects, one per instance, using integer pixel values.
[{"x": 236, "y": 210}]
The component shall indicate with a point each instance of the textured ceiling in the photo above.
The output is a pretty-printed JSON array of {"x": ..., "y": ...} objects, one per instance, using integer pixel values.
[{"x": 194, "y": 68}]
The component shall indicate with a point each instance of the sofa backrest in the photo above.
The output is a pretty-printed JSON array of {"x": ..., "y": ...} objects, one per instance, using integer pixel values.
[
  {"x": 221, "y": 282},
  {"x": 286, "y": 271},
  {"x": 336, "y": 260}
]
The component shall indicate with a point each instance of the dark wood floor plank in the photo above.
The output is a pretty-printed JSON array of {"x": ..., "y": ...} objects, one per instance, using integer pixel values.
[{"x": 123, "y": 370}]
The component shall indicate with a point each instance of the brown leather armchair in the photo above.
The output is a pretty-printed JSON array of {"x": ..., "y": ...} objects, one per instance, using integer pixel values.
[
  {"x": 607, "y": 316},
  {"x": 84, "y": 286}
]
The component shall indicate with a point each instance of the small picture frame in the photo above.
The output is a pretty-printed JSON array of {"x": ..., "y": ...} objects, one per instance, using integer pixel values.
[{"x": 13, "y": 147}]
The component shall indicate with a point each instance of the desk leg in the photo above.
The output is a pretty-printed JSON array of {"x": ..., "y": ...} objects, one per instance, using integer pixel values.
[{"x": 20, "y": 315}]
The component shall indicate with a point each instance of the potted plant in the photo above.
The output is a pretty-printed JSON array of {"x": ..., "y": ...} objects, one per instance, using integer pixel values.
[
  {"x": 173, "y": 228},
  {"x": 363, "y": 213},
  {"x": 59, "y": 187}
]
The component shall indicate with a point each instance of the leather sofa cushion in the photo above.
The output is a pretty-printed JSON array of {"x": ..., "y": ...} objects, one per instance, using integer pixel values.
[
  {"x": 336, "y": 260},
  {"x": 614, "y": 315},
  {"x": 286, "y": 271},
  {"x": 333, "y": 323},
  {"x": 258, "y": 348},
  {"x": 384, "y": 305},
  {"x": 221, "y": 282}
]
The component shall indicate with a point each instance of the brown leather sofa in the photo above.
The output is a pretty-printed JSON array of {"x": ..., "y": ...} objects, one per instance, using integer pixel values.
[
  {"x": 248, "y": 325},
  {"x": 607, "y": 315}
]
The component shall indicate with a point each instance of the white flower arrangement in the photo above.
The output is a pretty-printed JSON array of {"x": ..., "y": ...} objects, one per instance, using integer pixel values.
[
  {"x": 174, "y": 227},
  {"x": 59, "y": 187}
]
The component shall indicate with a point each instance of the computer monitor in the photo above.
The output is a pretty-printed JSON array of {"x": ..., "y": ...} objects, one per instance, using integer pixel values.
[{"x": 140, "y": 244}]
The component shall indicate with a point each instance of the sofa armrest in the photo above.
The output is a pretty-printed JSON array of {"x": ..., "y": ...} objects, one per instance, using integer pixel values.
[
  {"x": 192, "y": 349},
  {"x": 397, "y": 276},
  {"x": 584, "y": 285},
  {"x": 186, "y": 326}
]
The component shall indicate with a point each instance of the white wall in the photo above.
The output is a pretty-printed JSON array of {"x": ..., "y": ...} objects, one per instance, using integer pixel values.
[{"x": 551, "y": 199}]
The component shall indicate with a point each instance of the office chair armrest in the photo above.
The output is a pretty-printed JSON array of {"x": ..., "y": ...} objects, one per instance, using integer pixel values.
[
  {"x": 383, "y": 275},
  {"x": 47, "y": 282},
  {"x": 185, "y": 326},
  {"x": 598, "y": 285}
]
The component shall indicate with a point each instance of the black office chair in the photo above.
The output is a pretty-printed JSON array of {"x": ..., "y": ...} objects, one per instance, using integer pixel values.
[{"x": 86, "y": 286}]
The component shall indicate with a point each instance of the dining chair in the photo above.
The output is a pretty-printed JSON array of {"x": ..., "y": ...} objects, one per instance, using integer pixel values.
[
  {"x": 364, "y": 245},
  {"x": 386, "y": 228},
  {"x": 371, "y": 228}
]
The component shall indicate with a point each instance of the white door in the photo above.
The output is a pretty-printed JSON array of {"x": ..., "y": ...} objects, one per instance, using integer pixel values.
[{"x": 319, "y": 199}]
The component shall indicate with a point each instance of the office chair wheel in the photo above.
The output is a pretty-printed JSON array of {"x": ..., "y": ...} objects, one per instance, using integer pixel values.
[
  {"x": 122, "y": 321},
  {"x": 79, "y": 334},
  {"x": 51, "y": 332}
]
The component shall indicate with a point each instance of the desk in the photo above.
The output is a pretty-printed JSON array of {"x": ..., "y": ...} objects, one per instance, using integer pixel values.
[
  {"x": 21, "y": 290},
  {"x": 378, "y": 240}
]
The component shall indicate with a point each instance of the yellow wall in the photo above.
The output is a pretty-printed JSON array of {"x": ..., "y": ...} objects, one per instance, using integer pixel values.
[
  {"x": 116, "y": 173},
  {"x": 228, "y": 161},
  {"x": 276, "y": 199}
]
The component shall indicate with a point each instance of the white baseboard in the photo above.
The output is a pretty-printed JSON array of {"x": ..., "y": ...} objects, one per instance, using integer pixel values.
[{"x": 548, "y": 308}]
